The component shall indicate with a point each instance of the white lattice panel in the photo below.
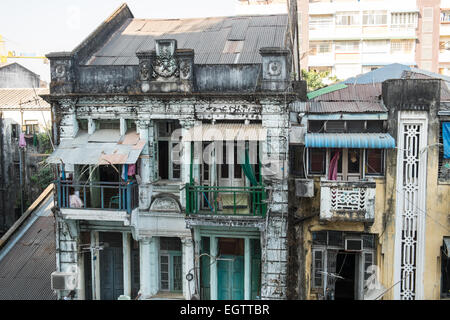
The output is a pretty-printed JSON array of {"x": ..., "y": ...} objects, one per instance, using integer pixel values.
[{"x": 409, "y": 213}]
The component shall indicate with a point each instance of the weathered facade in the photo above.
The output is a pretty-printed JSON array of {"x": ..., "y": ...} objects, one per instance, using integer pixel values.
[
  {"x": 172, "y": 146},
  {"x": 22, "y": 111},
  {"x": 14, "y": 75},
  {"x": 375, "y": 223}
]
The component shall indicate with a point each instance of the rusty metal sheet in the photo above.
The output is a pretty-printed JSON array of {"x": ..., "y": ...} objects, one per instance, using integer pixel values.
[{"x": 207, "y": 36}]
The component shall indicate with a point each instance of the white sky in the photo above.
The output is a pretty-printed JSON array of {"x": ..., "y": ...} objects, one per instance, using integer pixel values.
[{"x": 43, "y": 26}]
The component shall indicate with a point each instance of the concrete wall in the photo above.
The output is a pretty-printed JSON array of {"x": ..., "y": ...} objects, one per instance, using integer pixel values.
[{"x": 16, "y": 76}]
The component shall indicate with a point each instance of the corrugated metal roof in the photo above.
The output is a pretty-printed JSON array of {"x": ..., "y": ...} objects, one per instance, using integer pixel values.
[
  {"x": 25, "y": 270},
  {"x": 207, "y": 36},
  {"x": 27, "y": 98},
  {"x": 358, "y": 92},
  {"x": 349, "y": 140},
  {"x": 346, "y": 106},
  {"x": 81, "y": 149}
]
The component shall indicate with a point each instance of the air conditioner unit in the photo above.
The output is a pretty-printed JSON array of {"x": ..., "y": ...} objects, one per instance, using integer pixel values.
[
  {"x": 353, "y": 244},
  {"x": 64, "y": 280},
  {"x": 304, "y": 188}
]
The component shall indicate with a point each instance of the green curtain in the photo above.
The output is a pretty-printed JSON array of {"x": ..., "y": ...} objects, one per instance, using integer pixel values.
[{"x": 248, "y": 171}]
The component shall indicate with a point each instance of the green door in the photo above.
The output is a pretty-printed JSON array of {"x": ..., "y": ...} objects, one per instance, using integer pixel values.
[{"x": 230, "y": 275}]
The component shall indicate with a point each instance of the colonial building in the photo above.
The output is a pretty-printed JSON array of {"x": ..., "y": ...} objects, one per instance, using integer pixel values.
[
  {"x": 370, "y": 209},
  {"x": 172, "y": 145}
]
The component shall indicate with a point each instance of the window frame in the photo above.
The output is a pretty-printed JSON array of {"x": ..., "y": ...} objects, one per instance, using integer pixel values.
[
  {"x": 366, "y": 164},
  {"x": 373, "y": 14}
]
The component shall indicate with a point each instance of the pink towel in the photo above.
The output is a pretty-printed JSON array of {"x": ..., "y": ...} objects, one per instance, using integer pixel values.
[
  {"x": 332, "y": 171},
  {"x": 132, "y": 169},
  {"x": 22, "y": 142}
]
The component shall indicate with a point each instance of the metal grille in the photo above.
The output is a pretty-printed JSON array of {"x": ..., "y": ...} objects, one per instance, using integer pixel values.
[
  {"x": 410, "y": 188},
  {"x": 348, "y": 198}
]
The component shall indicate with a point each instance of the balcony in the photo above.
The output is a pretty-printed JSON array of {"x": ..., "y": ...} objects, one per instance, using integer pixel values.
[
  {"x": 104, "y": 201},
  {"x": 352, "y": 201},
  {"x": 225, "y": 206}
]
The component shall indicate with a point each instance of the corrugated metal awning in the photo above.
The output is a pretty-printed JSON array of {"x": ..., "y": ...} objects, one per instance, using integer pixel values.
[
  {"x": 349, "y": 140},
  {"x": 81, "y": 150},
  {"x": 226, "y": 132}
]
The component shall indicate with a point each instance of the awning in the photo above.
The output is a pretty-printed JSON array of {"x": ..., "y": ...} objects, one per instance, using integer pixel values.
[
  {"x": 349, "y": 140},
  {"x": 226, "y": 132},
  {"x": 86, "y": 149}
]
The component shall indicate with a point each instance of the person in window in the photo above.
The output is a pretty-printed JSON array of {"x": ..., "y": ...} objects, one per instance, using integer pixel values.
[
  {"x": 74, "y": 200},
  {"x": 353, "y": 162}
]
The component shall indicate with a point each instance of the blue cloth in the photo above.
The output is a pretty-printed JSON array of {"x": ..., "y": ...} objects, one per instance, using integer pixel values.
[
  {"x": 446, "y": 139},
  {"x": 349, "y": 140}
]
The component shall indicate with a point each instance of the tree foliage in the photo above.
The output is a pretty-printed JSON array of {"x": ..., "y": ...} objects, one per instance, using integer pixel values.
[{"x": 316, "y": 80}]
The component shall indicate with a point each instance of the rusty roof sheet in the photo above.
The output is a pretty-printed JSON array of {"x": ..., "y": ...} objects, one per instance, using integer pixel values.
[
  {"x": 353, "y": 92},
  {"x": 346, "y": 106},
  {"x": 25, "y": 270},
  {"x": 27, "y": 98},
  {"x": 207, "y": 36}
]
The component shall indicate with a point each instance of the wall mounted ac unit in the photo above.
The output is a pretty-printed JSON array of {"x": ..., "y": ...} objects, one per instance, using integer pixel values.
[
  {"x": 353, "y": 244},
  {"x": 64, "y": 280},
  {"x": 304, "y": 188}
]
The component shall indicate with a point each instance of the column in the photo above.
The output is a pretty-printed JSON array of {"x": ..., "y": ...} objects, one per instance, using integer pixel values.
[
  {"x": 213, "y": 281},
  {"x": 154, "y": 266},
  {"x": 144, "y": 264},
  {"x": 146, "y": 172},
  {"x": 126, "y": 264},
  {"x": 81, "y": 292},
  {"x": 197, "y": 246},
  {"x": 188, "y": 267},
  {"x": 185, "y": 158},
  {"x": 95, "y": 265},
  {"x": 247, "y": 270}
]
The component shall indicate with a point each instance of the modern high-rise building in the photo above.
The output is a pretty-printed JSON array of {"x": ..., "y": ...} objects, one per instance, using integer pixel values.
[{"x": 350, "y": 37}]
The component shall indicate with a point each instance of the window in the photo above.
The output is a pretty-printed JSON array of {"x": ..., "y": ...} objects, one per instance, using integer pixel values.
[
  {"x": 404, "y": 20},
  {"x": 374, "y": 161},
  {"x": 445, "y": 268},
  {"x": 317, "y": 158},
  {"x": 296, "y": 160},
  {"x": 317, "y": 48},
  {"x": 375, "y": 46},
  {"x": 375, "y": 126},
  {"x": 351, "y": 162},
  {"x": 347, "y": 18},
  {"x": 320, "y": 22},
  {"x": 347, "y": 46},
  {"x": 445, "y": 16},
  {"x": 316, "y": 126},
  {"x": 31, "y": 127},
  {"x": 169, "y": 152},
  {"x": 14, "y": 131},
  {"x": 374, "y": 17},
  {"x": 170, "y": 263},
  {"x": 444, "y": 164},
  {"x": 342, "y": 126},
  {"x": 318, "y": 268},
  {"x": 402, "y": 46},
  {"x": 355, "y": 126}
]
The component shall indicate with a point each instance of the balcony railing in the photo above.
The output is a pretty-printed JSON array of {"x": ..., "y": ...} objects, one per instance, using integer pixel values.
[
  {"x": 111, "y": 196},
  {"x": 243, "y": 201},
  {"x": 347, "y": 200}
]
